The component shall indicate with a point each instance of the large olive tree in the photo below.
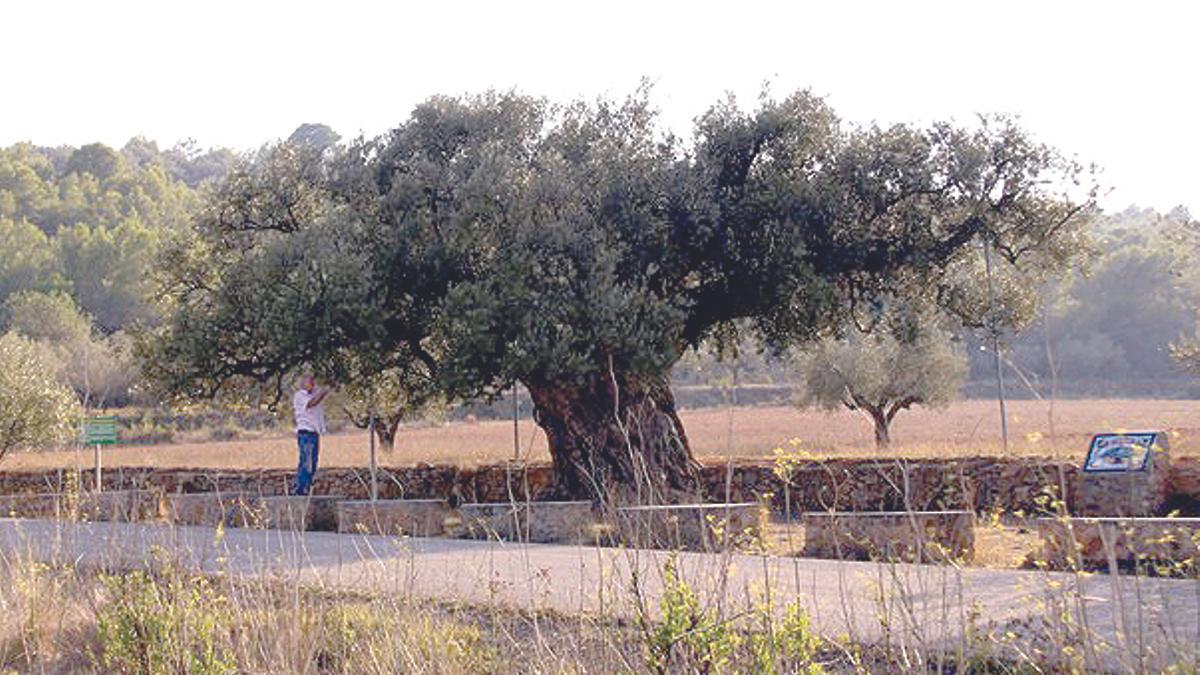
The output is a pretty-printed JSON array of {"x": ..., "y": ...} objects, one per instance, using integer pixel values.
[{"x": 581, "y": 251}]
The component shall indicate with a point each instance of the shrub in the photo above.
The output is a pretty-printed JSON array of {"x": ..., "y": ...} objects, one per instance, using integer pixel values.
[
  {"x": 163, "y": 625},
  {"x": 686, "y": 637},
  {"x": 35, "y": 409}
]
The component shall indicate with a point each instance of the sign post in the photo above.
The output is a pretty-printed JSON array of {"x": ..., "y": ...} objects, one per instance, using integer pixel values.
[
  {"x": 374, "y": 477},
  {"x": 987, "y": 263},
  {"x": 99, "y": 431}
]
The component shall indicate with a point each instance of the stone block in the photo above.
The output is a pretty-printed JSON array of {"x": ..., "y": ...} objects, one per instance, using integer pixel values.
[
  {"x": 412, "y": 517},
  {"x": 40, "y": 505},
  {"x": 232, "y": 509},
  {"x": 926, "y": 536},
  {"x": 311, "y": 512},
  {"x": 1184, "y": 478},
  {"x": 116, "y": 505},
  {"x": 1089, "y": 542},
  {"x": 694, "y": 527},
  {"x": 540, "y": 522},
  {"x": 121, "y": 505}
]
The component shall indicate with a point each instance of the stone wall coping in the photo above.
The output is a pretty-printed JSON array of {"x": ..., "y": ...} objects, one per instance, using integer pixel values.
[
  {"x": 493, "y": 505},
  {"x": 298, "y": 498},
  {"x": 708, "y": 464},
  {"x": 689, "y": 507},
  {"x": 881, "y": 514},
  {"x": 1123, "y": 520},
  {"x": 387, "y": 502},
  {"x": 233, "y": 494},
  {"x": 85, "y": 493},
  {"x": 121, "y": 491}
]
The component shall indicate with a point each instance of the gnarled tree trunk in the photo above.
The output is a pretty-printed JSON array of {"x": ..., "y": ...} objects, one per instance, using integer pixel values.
[
  {"x": 883, "y": 437},
  {"x": 385, "y": 431},
  {"x": 617, "y": 439}
]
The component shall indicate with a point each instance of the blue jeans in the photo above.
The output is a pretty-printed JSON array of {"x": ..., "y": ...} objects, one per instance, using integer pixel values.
[{"x": 310, "y": 443}]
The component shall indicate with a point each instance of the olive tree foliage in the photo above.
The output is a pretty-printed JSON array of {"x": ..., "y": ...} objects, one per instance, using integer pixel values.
[
  {"x": 581, "y": 251},
  {"x": 893, "y": 368},
  {"x": 36, "y": 410},
  {"x": 903, "y": 348},
  {"x": 258, "y": 289},
  {"x": 274, "y": 280}
]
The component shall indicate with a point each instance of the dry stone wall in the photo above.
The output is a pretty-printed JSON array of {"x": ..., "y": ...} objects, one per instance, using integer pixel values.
[
  {"x": 1183, "y": 480},
  {"x": 979, "y": 484}
]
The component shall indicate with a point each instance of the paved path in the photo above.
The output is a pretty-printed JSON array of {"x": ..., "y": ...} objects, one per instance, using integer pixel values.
[{"x": 908, "y": 604}]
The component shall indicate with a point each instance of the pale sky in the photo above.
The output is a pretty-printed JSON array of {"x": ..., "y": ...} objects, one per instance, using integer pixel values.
[{"x": 1111, "y": 83}]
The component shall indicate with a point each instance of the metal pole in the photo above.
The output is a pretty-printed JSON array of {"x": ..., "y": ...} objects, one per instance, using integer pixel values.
[
  {"x": 516, "y": 430},
  {"x": 987, "y": 263},
  {"x": 374, "y": 466},
  {"x": 96, "y": 462}
]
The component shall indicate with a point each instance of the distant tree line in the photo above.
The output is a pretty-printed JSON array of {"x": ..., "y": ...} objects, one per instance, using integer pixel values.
[{"x": 1108, "y": 328}]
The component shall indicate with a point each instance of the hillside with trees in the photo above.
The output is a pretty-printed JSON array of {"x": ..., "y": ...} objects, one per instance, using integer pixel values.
[
  {"x": 1107, "y": 329},
  {"x": 81, "y": 235}
]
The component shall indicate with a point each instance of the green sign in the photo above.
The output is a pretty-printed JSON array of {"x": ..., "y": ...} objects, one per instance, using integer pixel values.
[{"x": 100, "y": 431}]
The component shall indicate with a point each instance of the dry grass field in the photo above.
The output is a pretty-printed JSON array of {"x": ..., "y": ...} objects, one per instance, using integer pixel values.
[{"x": 965, "y": 428}]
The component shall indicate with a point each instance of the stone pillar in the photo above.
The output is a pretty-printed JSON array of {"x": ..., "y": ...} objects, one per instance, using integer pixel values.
[
  {"x": 1125, "y": 475},
  {"x": 910, "y": 536},
  {"x": 231, "y": 509}
]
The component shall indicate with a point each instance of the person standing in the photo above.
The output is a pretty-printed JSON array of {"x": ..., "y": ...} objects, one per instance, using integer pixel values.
[{"x": 310, "y": 424}]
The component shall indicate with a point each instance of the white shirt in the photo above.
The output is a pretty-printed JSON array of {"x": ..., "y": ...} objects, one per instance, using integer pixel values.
[{"x": 308, "y": 419}]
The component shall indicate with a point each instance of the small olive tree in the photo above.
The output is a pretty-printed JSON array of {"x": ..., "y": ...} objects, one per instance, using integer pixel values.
[
  {"x": 35, "y": 408},
  {"x": 881, "y": 373},
  {"x": 387, "y": 397}
]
